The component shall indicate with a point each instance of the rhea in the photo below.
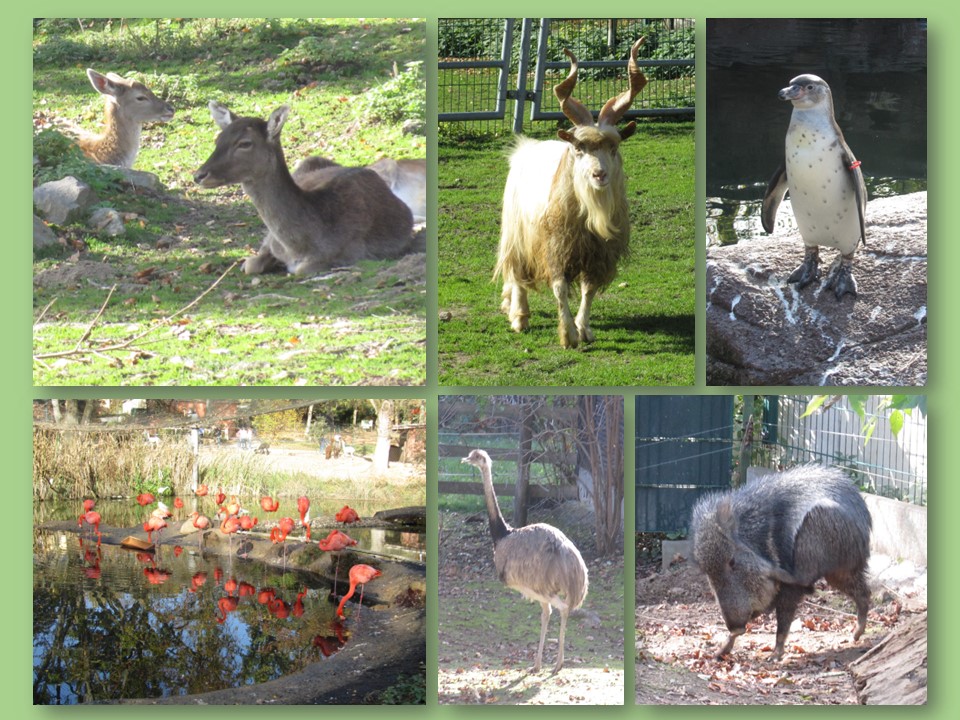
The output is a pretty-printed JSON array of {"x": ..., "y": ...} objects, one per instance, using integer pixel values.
[{"x": 537, "y": 560}]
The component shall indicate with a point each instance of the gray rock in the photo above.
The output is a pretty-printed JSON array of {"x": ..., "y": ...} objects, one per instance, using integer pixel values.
[
  {"x": 63, "y": 201},
  {"x": 413, "y": 127},
  {"x": 43, "y": 237},
  {"x": 140, "y": 179},
  {"x": 762, "y": 331},
  {"x": 106, "y": 221}
]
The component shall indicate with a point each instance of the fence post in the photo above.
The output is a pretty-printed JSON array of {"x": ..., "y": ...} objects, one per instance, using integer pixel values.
[{"x": 521, "y": 74}]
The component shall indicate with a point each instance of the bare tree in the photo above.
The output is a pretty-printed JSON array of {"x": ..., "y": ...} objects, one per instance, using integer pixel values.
[
  {"x": 381, "y": 454},
  {"x": 600, "y": 443}
]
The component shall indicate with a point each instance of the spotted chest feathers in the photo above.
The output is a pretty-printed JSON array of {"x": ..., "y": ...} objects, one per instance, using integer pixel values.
[{"x": 822, "y": 190}]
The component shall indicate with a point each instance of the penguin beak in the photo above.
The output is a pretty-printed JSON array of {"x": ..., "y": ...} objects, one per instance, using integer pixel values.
[{"x": 793, "y": 92}]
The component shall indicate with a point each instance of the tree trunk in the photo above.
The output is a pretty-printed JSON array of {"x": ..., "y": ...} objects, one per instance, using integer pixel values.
[{"x": 381, "y": 454}]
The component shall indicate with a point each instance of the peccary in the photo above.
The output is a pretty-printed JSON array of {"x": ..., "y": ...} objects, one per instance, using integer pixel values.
[{"x": 764, "y": 545}]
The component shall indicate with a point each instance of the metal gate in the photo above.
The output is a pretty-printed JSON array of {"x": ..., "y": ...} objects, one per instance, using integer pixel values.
[
  {"x": 684, "y": 448},
  {"x": 481, "y": 68}
]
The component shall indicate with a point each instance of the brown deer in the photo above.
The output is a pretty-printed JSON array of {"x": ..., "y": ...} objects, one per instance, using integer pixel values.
[
  {"x": 127, "y": 105},
  {"x": 322, "y": 216}
]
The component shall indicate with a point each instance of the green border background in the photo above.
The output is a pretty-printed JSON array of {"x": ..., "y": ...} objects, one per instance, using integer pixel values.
[{"x": 16, "y": 290}]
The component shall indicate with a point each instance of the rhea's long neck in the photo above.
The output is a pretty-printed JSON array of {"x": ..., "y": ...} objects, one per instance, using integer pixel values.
[{"x": 498, "y": 526}]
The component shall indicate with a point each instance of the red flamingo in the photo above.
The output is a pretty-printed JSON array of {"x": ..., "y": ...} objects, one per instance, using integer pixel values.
[
  {"x": 336, "y": 541},
  {"x": 359, "y": 575},
  {"x": 229, "y": 527},
  {"x": 145, "y": 499},
  {"x": 269, "y": 504},
  {"x": 219, "y": 497},
  {"x": 279, "y": 534},
  {"x": 279, "y": 609},
  {"x": 247, "y": 522},
  {"x": 177, "y": 503},
  {"x": 226, "y": 605},
  {"x": 298, "y": 603},
  {"x": 88, "y": 505},
  {"x": 303, "y": 507},
  {"x": 201, "y": 491},
  {"x": 92, "y": 517},
  {"x": 347, "y": 515},
  {"x": 201, "y": 523},
  {"x": 266, "y": 595},
  {"x": 154, "y": 524},
  {"x": 233, "y": 507},
  {"x": 198, "y": 579}
]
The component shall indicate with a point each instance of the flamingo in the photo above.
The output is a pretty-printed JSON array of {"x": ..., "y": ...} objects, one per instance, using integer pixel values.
[
  {"x": 336, "y": 541},
  {"x": 154, "y": 524},
  {"x": 269, "y": 504},
  {"x": 347, "y": 515},
  {"x": 91, "y": 517},
  {"x": 177, "y": 503},
  {"x": 233, "y": 507},
  {"x": 303, "y": 507},
  {"x": 201, "y": 491},
  {"x": 201, "y": 523},
  {"x": 226, "y": 605},
  {"x": 219, "y": 497},
  {"x": 359, "y": 575},
  {"x": 88, "y": 505},
  {"x": 247, "y": 522},
  {"x": 298, "y": 603},
  {"x": 279, "y": 534},
  {"x": 229, "y": 526},
  {"x": 145, "y": 499}
]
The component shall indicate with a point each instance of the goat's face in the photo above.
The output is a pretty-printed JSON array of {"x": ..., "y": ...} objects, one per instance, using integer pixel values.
[{"x": 596, "y": 155}]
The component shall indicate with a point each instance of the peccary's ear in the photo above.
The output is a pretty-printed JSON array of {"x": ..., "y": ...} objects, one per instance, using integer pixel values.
[
  {"x": 276, "y": 120},
  {"x": 726, "y": 518}
]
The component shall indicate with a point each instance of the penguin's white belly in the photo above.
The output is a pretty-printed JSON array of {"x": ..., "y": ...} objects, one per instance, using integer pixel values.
[{"x": 822, "y": 191}]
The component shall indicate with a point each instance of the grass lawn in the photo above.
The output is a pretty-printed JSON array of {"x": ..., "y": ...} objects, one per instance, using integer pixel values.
[
  {"x": 644, "y": 322},
  {"x": 350, "y": 85}
]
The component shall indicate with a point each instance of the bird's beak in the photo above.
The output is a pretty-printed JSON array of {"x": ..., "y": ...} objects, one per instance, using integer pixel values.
[{"x": 464, "y": 460}]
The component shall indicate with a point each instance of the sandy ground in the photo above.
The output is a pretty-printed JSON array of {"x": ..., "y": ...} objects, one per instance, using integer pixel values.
[{"x": 679, "y": 628}]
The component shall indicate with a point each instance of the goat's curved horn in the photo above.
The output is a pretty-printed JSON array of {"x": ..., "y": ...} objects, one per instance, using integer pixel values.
[
  {"x": 571, "y": 107},
  {"x": 619, "y": 104}
]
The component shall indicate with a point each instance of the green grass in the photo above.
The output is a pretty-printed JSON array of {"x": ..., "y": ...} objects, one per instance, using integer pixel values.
[
  {"x": 644, "y": 322},
  {"x": 363, "y": 326}
]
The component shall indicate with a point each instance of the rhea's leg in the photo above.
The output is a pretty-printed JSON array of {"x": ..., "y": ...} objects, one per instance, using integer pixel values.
[
  {"x": 544, "y": 621},
  {"x": 587, "y": 293},
  {"x": 563, "y": 631},
  {"x": 567, "y": 329}
]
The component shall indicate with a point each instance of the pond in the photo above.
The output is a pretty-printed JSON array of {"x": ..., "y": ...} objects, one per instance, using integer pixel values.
[
  {"x": 877, "y": 73},
  {"x": 112, "y": 623}
]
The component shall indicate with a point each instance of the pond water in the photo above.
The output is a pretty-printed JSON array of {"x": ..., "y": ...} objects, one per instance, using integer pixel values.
[
  {"x": 877, "y": 73},
  {"x": 111, "y": 623}
]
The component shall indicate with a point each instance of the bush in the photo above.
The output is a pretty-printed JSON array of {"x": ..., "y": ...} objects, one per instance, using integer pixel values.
[{"x": 399, "y": 99}]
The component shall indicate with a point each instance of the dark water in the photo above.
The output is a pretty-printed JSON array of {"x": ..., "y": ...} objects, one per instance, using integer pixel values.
[
  {"x": 876, "y": 70},
  {"x": 110, "y": 623}
]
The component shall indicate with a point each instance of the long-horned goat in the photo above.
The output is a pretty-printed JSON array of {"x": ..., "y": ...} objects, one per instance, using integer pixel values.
[
  {"x": 323, "y": 215},
  {"x": 537, "y": 560},
  {"x": 565, "y": 214},
  {"x": 127, "y": 105}
]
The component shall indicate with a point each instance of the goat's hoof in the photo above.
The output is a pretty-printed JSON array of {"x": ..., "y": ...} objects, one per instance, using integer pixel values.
[{"x": 519, "y": 324}]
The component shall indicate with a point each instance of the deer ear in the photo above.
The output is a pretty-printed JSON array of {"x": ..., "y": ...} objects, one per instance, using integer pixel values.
[
  {"x": 101, "y": 83},
  {"x": 276, "y": 120},
  {"x": 221, "y": 114}
]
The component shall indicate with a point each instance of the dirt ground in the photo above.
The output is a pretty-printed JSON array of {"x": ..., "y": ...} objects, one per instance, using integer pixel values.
[
  {"x": 489, "y": 633},
  {"x": 679, "y": 628}
]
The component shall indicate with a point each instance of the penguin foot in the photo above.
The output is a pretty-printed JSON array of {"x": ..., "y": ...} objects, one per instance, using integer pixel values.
[
  {"x": 841, "y": 281},
  {"x": 808, "y": 271}
]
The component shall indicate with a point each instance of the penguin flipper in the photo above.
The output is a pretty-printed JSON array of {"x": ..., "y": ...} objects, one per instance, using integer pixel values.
[
  {"x": 859, "y": 190},
  {"x": 776, "y": 189}
]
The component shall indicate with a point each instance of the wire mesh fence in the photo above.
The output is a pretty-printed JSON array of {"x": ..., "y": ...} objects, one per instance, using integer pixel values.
[{"x": 487, "y": 66}]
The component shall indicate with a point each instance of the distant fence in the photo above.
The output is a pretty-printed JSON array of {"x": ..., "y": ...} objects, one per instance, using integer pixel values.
[
  {"x": 685, "y": 447},
  {"x": 491, "y": 70}
]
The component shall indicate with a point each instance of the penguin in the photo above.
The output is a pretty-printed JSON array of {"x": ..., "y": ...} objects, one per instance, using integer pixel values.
[{"x": 827, "y": 191}]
